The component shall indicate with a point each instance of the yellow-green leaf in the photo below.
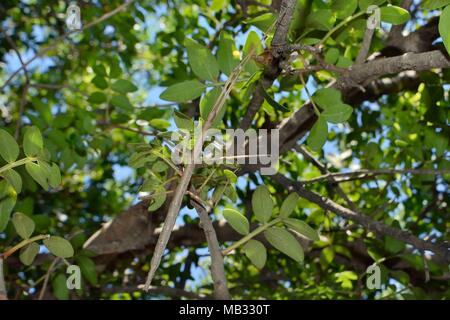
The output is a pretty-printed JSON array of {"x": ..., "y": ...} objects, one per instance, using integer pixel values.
[
  {"x": 28, "y": 253},
  {"x": 9, "y": 149},
  {"x": 285, "y": 242},
  {"x": 289, "y": 204},
  {"x": 237, "y": 221},
  {"x": 256, "y": 252},
  {"x": 23, "y": 224},
  {"x": 58, "y": 246},
  {"x": 301, "y": 227},
  {"x": 262, "y": 204}
]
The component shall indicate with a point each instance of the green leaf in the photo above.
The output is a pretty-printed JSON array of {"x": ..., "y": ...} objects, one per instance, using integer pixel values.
[
  {"x": 289, "y": 204},
  {"x": 100, "y": 82},
  {"x": 207, "y": 103},
  {"x": 318, "y": 135},
  {"x": 159, "y": 124},
  {"x": 263, "y": 21},
  {"x": 262, "y": 204},
  {"x": 38, "y": 173},
  {"x": 253, "y": 42},
  {"x": 183, "y": 121},
  {"x": 256, "y": 252},
  {"x": 13, "y": 179},
  {"x": 201, "y": 60},
  {"x": 183, "y": 91},
  {"x": 158, "y": 200},
  {"x": 54, "y": 178},
  {"x": 230, "y": 175},
  {"x": 273, "y": 103},
  {"x": 327, "y": 97},
  {"x": 444, "y": 27},
  {"x": 434, "y": 4},
  {"x": 332, "y": 56},
  {"x": 393, "y": 245},
  {"x": 6, "y": 207},
  {"x": 236, "y": 220},
  {"x": 394, "y": 15},
  {"x": 123, "y": 86},
  {"x": 344, "y": 8},
  {"x": 32, "y": 141},
  {"x": 97, "y": 98},
  {"x": 121, "y": 102},
  {"x": 227, "y": 54},
  {"x": 60, "y": 290},
  {"x": 28, "y": 253},
  {"x": 285, "y": 242},
  {"x": 23, "y": 224},
  {"x": 218, "y": 5},
  {"x": 337, "y": 113},
  {"x": 58, "y": 246},
  {"x": 322, "y": 19},
  {"x": 100, "y": 70},
  {"x": 301, "y": 227},
  {"x": 87, "y": 267},
  {"x": 9, "y": 149}
]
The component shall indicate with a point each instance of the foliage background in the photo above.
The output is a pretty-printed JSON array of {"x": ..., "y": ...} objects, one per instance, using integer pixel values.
[{"x": 401, "y": 125}]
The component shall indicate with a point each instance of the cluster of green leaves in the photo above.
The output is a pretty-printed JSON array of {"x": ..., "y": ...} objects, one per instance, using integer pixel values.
[
  {"x": 334, "y": 111},
  {"x": 37, "y": 164},
  {"x": 274, "y": 227},
  {"x": 29, "y": 248},
  {"x": 114, "y": 89}
]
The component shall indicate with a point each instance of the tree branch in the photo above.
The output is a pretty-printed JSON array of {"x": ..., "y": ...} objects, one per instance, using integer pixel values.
[
  {"x": 363, "y": 174},
  {"x": 271, "y": 71},
  {"x": 326, "y": 204},
  {"x": 217, "y": 265}
]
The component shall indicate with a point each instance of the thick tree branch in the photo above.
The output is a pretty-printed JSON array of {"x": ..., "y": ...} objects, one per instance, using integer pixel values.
[
  {"x": 441, "y": 250},
  {"x": 295, "y": 127},
  {"x": 272, "y": 70}
]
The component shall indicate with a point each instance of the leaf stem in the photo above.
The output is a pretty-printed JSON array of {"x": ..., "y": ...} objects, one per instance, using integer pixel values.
[
  {"x": 250, "y": 236},
  {"x": 22, "y": 244},
  {"x": 17, "y": 163}
]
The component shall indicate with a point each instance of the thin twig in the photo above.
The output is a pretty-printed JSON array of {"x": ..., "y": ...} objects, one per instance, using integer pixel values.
[
  {"x": 217, "y": 265},
  {"x": 363, "y": 174},
  {"x": 47, "y": 277}
]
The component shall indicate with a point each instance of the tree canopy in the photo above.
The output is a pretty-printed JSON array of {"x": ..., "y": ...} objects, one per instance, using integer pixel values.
[{"x": 354, "y": 92}]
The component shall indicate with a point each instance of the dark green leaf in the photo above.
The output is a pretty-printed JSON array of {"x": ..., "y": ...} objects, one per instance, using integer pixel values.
[{"x": 318, "y": 135}]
